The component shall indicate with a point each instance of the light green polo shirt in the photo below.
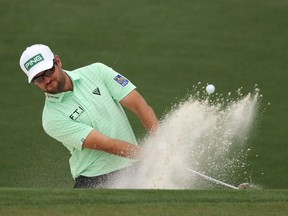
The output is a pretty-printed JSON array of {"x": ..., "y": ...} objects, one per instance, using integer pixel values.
[{"x": 93, "y": 104}]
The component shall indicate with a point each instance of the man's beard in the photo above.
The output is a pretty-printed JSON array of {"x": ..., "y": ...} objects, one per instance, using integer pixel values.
[{"x": 59, "y": 87}]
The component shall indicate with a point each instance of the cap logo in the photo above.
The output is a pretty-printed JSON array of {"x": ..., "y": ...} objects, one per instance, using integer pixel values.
[{"x": 33, "y": 61}]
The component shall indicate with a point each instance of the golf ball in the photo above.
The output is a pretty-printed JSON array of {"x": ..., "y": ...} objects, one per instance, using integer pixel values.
[{"x": 210, "y": 88}]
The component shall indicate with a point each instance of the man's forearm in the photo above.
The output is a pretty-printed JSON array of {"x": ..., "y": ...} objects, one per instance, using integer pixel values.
[
  {"x": 148, "y": 118},
  {"x": 122, "y": 148},
  {"x": 98, "y": 141}
]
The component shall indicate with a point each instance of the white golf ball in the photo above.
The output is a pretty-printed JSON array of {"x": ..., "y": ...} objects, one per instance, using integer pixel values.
[{"x": 210, "y": 88}]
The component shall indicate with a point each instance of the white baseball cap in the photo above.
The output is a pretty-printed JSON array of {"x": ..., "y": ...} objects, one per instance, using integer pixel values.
[{"x": 35, "y": 59}]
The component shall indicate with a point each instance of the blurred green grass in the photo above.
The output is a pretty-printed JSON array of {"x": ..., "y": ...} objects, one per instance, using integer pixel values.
[
  {"x": 142, "y": 202},
  {"x": 164, "y": 47}
]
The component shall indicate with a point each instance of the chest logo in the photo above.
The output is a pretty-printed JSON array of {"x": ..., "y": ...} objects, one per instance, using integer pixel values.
[
  {"x": 96, "y": 91},
  {"x": 77, "y": 113}
]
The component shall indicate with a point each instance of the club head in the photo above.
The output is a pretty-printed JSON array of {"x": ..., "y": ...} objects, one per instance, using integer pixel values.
[{"x": 244, "y": 186}]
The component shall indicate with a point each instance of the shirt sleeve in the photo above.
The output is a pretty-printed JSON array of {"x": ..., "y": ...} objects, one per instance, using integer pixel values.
[
  {"x": 118, "y": 85},
  {"x": 71, "y": 133}
]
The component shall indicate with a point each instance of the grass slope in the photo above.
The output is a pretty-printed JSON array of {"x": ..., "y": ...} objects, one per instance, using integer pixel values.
[{"x": 60, "y": 202}]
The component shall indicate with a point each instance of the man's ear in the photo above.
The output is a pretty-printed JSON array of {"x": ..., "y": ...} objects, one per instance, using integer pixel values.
[{"x": 58, "y": 60}]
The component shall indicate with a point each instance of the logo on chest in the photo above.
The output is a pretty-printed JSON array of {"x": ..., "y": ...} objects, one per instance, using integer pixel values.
[
  {"x": 96, "y": 91},
  {"x": 77, "y": 113}
]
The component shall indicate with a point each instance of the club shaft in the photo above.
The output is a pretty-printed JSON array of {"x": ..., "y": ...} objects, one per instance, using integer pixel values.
[{"x": 212, "y": 179}]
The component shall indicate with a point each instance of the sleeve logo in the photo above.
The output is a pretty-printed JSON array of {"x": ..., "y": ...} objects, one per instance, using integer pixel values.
[{"x": 121, "y": 80}]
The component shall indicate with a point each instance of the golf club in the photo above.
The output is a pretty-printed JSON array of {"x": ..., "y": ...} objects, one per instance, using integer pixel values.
[{"x": 212, "y": 179}]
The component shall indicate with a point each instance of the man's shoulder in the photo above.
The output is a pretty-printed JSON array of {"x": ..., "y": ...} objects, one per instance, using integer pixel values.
[
  {"x": 93, "y": 66},
  {"x": 93, "y": 69}
]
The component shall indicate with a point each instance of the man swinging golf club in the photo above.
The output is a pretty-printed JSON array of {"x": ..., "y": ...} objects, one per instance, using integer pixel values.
[{"x": 83, "y": 110}]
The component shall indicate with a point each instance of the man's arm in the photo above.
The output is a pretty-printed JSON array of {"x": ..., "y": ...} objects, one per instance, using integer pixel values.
[
  {"x": 137, "y": 104},
  {"x": 98, "y": 141}
]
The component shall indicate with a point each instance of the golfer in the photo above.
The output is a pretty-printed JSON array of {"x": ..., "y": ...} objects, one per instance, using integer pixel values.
[{"x": 83, "y": 110}]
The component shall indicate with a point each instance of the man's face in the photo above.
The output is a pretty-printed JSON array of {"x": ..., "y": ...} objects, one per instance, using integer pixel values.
[{"x": 52, "y": 80}]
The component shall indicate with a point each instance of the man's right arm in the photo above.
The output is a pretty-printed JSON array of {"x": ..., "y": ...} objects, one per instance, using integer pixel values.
[
  {"x": 79, "y": 136},
  {"x": 98, "y": 141}
]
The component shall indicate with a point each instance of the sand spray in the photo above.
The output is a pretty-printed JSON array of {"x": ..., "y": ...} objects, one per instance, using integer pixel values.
[{"x": 207, "y": 133}]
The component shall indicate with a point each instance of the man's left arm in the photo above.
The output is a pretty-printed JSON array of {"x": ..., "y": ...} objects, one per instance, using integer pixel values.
[{"x": 137, "y": 104}]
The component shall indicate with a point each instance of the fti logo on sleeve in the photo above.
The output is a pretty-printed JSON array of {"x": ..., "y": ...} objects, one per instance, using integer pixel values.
[
  {"x": 121, "y": 80},
  {"x": 33, "y": 61}
]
